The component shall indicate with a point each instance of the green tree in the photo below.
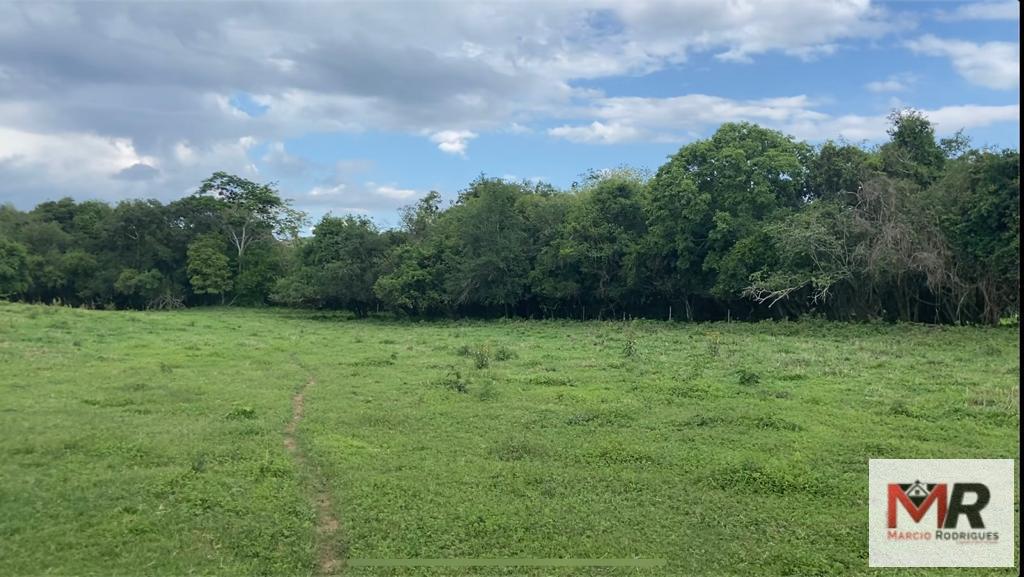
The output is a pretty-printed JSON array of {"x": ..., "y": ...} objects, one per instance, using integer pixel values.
[
  {"x": 209, "y": 269},
  {"x": 339, "y": 266},
  {"x": 138, "y": 288},
  {"x": 977, "y": 206},
  {"x": 595, "y": 262},
  {"x": 707, "y": 206},
  {"x": 912, "y": 152},
  {"x": 838, "y": 170},
  {"x": 487, "y": 236},
  {"x": 249, "y": 212},
  {"x": 14, "y": 271}
]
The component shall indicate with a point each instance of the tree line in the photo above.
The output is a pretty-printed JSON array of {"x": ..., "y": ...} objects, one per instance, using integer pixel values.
[{"x": 747, "y": 224}]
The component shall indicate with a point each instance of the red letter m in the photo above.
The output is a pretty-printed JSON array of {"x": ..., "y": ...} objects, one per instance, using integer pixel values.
[{"x": 916, "y": 512}]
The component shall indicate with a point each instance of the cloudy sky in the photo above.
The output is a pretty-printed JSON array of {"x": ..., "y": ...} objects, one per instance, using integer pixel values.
[{"x": 360, "y": 106}]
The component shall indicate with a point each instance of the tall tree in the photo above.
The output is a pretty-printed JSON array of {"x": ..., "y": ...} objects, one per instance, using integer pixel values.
[
  {"x": 250, "y": 212},
  {"x": 708, "y": 203},
  {"x": 14, "y": 274}
]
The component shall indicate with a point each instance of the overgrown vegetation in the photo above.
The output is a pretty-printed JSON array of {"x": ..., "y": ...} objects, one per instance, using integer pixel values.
[
  {"x": 747, "y": 224},
  {"x": 151, "y": 443}
]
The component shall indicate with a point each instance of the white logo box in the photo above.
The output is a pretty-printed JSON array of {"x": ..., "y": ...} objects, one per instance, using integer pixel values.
[{"x": 924, "y": 543}]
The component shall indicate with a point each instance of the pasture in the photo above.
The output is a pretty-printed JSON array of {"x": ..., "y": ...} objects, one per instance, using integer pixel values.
[{"x": 284, "y": 442}]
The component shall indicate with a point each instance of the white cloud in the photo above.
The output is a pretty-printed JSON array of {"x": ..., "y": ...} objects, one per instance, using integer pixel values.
[
  {"x": 686, "y": 117},
  {"x": 597, "y": 132},
  {"x": 66, "y": 156},
  {"x": 153, "y": 83},
  {"x": 453, "y": 141},
  {"x": 949, "y": 119},
  {"x": 894, "y": 83},
  {"x": 164, "y": 76},
  {"x": 392, "y": 192},
  {"x": 990, "y": 64},
  {"x": 184, "y": 153},
  {"x": 282, "y": 161},
  {"x": 328, "y": 191},
  {"x": 624, "y": 119},
  {"x": 1000, "y": 10},
  {"x": 341, "y": 192}
]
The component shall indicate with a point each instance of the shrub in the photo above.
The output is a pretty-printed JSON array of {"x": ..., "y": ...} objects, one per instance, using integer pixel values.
[{"x": 454, "y": 381}]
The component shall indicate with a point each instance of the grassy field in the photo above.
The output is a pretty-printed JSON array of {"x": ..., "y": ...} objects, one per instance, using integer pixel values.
[{"x": 269, "y": 442}]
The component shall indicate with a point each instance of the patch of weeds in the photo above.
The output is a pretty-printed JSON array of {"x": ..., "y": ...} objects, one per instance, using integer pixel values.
[
  {"x": 879, "y": 449},
  {"x": 272, "y": 468},
  {"x": 1007, "y": 400},
  {"x": 165, "y": 368},
  {"x": 517, "y": 450},
  {"x": 990, "y": 350},
  {"x": 751, "y": 476},
  {"x": 773, "y": 423},
  {"x": 377, "y": 361},
  {"x": 695, "y": 390},
  {"x": 705, "y": 421},
  {"x": 549, "y": 380},
  {"x": 503, "y": 353},
  {"x": 481, "y": 358},
  {"x": 240, "y": 413},
  {"x": 487, "y": 392},
  {"x": 199, "y": 463},
  {"x": 713, "y": 342},
  {"x": 453, "y": 381},
  {"x": 483, "y": 354},
  {"x": 600, "y": 417},
  {"x": 617, "y": 453},
  {"x": 584, "y": 418},
  {"x": 631, "y": 349},
  {"x": 109, "y": 403},
  {"x": 902, "y": 409},
  {"x": 748, "y": 378}
]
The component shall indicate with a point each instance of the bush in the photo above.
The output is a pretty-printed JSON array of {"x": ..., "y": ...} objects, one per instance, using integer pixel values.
[{"x": 454, "y": 381}]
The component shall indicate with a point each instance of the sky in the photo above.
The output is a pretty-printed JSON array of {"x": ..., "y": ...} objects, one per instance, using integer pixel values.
[{"x": 363, "y": 107}]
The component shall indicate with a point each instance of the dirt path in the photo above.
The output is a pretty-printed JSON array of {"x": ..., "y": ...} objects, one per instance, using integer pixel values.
[{"x": 329, "y": 548}]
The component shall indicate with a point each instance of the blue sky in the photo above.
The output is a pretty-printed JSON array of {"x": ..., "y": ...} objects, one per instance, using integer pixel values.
[{"x": 364, "y": 107}]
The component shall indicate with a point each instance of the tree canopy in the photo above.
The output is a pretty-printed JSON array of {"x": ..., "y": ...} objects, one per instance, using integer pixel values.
[{"x": 749, "y": 223}]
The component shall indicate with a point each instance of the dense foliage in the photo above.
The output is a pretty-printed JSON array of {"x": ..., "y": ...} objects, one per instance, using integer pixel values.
[{"x": 749, "y": 223}]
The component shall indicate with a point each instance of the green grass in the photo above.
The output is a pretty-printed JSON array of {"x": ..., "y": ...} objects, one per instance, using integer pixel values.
[{"x": 153, "y": 443}]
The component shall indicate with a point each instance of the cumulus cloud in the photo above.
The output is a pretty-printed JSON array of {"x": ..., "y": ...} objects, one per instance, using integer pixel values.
[
  {"x": 359, "y": 197},
  {"x": 990, "y": 64},
  {"x": 282, "y": 161},
  {"x": 624, "y": 119},
  {"x": 345, "y": 189},
  {"x": 1000, "y": 10},
  {"x": 93, "y": 93},
  {"x": 894, "y": 83},
  {"x": 452, "y": 141},
  {"x": 597, "y": 132},
  {"x": 683, "y": 117},
  {"x": 393, "y": 192},
  {"x": 138, "y": 171},
  {"x": 174, "y": 86}
]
